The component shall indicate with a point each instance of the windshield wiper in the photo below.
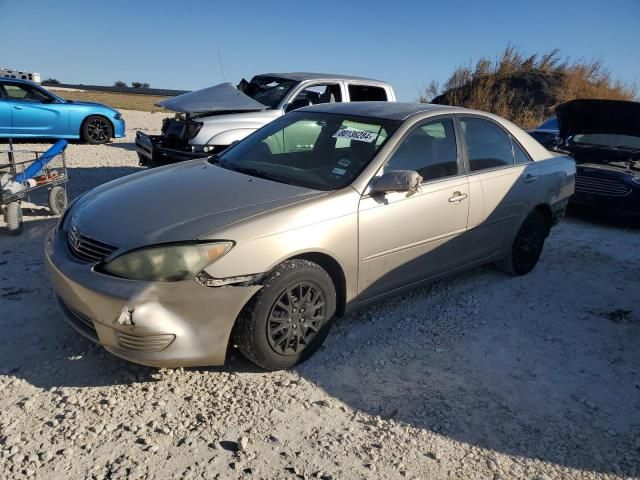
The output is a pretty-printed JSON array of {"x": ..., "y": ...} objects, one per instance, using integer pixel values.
[
  {"x": 214, "y": 159},
  {"x": 254, "y": 172}
]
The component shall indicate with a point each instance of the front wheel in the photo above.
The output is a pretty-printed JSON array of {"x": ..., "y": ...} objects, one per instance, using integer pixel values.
[
  {"x": 289, "y": 318},
  {"x": 527, "y": 247},
  {"x": 96, "y": 130}
]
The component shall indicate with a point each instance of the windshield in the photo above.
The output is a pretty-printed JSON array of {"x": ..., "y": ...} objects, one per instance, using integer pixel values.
[
  {"x": 549, "y": 124},
  {"x": 606, "y": 140},
  {"x": 269, "y": 91},
  {"x": 314, "y": 150}
]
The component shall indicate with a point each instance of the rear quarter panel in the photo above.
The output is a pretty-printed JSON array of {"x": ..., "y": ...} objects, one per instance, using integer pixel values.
[{"x": 557, "y": 179}]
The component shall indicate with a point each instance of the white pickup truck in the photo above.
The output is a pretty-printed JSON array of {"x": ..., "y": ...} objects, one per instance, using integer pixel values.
[{"x": 207, "y": 121}]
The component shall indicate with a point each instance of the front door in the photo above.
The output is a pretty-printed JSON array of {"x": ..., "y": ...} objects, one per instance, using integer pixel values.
[
  {"x": 5, "y": 117},
  {"x": 33, "y": 112},
  {"x": 404, "y": 237}
]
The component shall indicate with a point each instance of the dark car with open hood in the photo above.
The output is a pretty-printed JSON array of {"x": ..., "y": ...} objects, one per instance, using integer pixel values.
[{"x": 603, "y": 136}]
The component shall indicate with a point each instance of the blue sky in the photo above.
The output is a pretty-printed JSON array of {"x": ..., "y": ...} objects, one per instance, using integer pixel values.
[{"x": 175, "y": 44}]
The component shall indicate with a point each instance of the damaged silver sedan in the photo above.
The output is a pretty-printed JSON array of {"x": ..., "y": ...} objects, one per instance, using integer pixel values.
[{"x": 322, "y": 211}]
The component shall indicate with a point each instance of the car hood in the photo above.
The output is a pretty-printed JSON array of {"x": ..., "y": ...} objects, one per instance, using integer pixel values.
[
  {"x": 90, "y": 104},
  {"x": 219, "y": 98},
  {"x": 177, "y": 203},
  {"x": 598, "y": 116}
]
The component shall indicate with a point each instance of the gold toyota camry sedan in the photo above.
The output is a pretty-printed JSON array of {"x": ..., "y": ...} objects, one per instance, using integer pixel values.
[{"x": 322, "y": 211}]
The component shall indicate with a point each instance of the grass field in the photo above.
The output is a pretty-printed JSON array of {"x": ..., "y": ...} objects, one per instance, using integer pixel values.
[{"x": 126, "y": 101}]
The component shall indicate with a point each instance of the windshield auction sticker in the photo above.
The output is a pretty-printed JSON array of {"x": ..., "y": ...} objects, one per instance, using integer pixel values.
[{"x": 354, "y": 134}]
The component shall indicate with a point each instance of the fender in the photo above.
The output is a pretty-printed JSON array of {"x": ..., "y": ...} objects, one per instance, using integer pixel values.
[{"x": 229, "y": 136}]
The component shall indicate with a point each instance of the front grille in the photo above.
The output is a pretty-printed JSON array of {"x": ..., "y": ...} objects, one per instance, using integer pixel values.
[
  {"x": 79, "y": 321},
  {"x": 601, "y": 186},
  {"x": 86, "y": 248},
  {"x": 146, "y": 343}
]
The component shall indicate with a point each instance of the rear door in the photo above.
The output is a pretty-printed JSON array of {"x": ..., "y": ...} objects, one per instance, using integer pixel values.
[
  {"x": 501, "y": 183},
  {"x": 404, "y": 237},
  {"x": 34, "y": 112}
]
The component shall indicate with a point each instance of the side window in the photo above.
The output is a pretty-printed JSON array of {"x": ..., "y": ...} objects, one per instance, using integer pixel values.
[
  {"x": 367, "y": 93},
  {"x": 24, "y": 92},
  {"x": 322, "y": 93},
  {"x": 488, "y": 145},
  {"x": 519, "y": 154},
  {"x": 430, "y": 150}
]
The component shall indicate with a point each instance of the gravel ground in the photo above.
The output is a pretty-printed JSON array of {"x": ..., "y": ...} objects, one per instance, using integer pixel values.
[{"x": 480, "y": 376}]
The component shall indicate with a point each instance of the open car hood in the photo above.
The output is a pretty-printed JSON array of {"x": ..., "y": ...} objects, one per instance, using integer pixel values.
[
  {"x": 219, "y": 98},
  {"x": 598, "y": 116}
]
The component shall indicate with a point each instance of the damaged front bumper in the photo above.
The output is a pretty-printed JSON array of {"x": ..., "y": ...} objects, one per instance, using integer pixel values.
[
  {"x": 152, "y": 152},
  {"x": 160, "y": 324}
]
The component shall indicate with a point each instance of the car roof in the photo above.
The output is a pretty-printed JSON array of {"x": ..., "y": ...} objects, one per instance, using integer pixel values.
[
  {"x": 385, "y": 110},
  {"x": 302, "y": 76},
  {"x": 18, "y": 80}
]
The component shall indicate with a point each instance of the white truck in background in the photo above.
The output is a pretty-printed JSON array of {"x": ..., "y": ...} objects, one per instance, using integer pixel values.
[{"x": 207, "y": 121}]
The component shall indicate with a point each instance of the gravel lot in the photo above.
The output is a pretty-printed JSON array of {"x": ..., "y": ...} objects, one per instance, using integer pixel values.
[{"x": 481, "y": 376}]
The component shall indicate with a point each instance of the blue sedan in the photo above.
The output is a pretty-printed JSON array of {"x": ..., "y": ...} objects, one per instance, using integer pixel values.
[{"x": 29, "y": 111}]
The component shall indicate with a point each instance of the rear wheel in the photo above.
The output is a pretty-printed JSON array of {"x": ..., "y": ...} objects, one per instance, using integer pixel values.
[
  {"x": 13, "y": 217},
  {"x": 527, "y": 246},
  {"x": 289, "y": 318},
  {"x": 96, "y": 130},
  {"x": 57, "y": 200}
]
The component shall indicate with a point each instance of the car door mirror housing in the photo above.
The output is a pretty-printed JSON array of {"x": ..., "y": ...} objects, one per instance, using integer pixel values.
[
  {"x": 296, "y": 104},
  {"x": 396, "y": 181}
]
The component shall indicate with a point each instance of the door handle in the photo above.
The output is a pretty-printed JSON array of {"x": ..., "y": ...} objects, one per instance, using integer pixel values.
[
  {"x": 530, "y": 178},
  {"x": 457, "y": 197},
  {"x": 17, "y": 107}
]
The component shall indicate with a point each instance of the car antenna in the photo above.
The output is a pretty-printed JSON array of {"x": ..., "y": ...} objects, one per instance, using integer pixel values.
[{"x": 221, "y": 67}]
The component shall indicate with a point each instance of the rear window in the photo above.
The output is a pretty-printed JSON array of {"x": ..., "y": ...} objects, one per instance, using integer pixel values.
[{"x": 367, "y": 93}]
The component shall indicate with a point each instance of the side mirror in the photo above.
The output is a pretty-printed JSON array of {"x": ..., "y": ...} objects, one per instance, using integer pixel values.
[
  {"x": 296, "y": 104},
  {"x": 396, "y": 181}
]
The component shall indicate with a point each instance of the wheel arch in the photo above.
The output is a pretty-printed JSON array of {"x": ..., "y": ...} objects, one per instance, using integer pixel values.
[
  {"x": 335, "y": 271},
  {"x": 548, "y": 214}
]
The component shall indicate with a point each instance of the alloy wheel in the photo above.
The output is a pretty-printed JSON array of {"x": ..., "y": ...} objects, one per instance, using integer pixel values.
[
  {"x": 98, "y": 130},
  {"x": 295, "y": 318}
]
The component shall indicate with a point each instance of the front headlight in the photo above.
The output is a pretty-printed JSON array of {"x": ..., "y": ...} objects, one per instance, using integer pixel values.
[
  {"x": 636, "y": 179},
  {"x": 117, "y": 116},
  {"x": 168, "y": 263}
]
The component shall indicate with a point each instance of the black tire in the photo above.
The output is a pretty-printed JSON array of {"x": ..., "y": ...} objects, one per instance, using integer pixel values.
[
  {"x": 527, "y": 247},
  {"x": 272, "y": 328},
  {"x": 13, "y": 217},
  {"x": 96, "y": 130},
  {"x": 57, "y": 200}
]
